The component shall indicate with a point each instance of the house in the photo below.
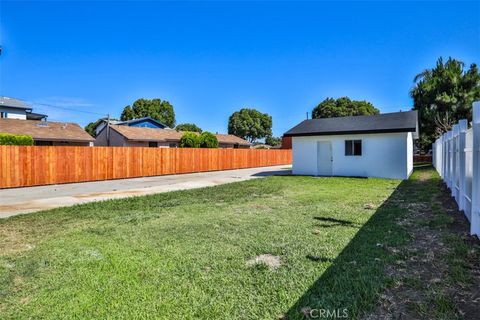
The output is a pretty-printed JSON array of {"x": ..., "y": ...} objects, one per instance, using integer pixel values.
[
  {"x": 134, "y": 136},
  {"x": 364, "y": 146},
  {"x": 146, "y": 122},
  {"x": 47, "y": 133},
  {"x": 11, "y": 108}
]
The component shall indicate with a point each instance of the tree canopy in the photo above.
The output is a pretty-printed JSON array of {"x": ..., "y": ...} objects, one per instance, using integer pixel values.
[
  {"x": 208, "y": 140},
  {"x": 343, "y": 107},
  {"x": 443, "y": 95},
  {"x": 188, "y": 127},
  {"x": 189, "y": 140},
  {"x": 154, "y": 108},
  {"x": 273, "y": 141},
  {"x": 250, "y": 124},
  {"x": 89, "y": 128}
]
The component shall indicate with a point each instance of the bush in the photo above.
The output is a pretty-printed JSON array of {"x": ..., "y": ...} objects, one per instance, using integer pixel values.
[
  {"x": 15, "y": 140},
  {"x": 208, "y": 140},
  {"x": 189, "y": 140}
]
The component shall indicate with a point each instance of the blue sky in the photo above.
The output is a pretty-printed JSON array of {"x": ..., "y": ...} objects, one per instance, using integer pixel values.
[{"x": 210, "y": 59}]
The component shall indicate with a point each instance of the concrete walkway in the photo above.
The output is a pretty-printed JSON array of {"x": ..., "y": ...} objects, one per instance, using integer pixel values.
[{"x": 25, "y": 200}]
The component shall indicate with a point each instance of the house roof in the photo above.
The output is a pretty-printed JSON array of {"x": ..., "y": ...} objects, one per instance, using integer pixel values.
[
  {"x": 166, "y": 135},
  {"x": 13, "y": 103},
  {"x": 45, "y": 130},
  {"x": 36, "y": 116},
  {"x": 133, "y": 121},
  {"x": 147, "y": 134},
  {"x": 380, "y": 123},
  {"x": 128, "y": 122},
  {"x": 231, "y": 139}
]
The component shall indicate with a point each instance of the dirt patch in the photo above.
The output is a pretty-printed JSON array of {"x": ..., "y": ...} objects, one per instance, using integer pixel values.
[
  {"x": 437, "y": 275},
  {"x": 271, "y": 261}
]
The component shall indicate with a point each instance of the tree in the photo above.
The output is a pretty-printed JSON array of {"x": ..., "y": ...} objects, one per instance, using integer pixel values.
[
  {"x": 208, "y": 140},
  {"x": 15, "y": 140},
  {"x": 250, "y": 124},
  {"x": 89, "y": 128},
  {"x": 443, "y": 95},
  {"x": 154, "y": 108},
  {"x": 188, "y": 127},
  {"x": 343, "y": 107},
  {"x": 273, "y": 141},
  {"x": 189, "y": 140}
]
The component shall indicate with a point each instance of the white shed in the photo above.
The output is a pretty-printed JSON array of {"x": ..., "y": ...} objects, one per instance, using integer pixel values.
[{"x": 361, "y": 146}]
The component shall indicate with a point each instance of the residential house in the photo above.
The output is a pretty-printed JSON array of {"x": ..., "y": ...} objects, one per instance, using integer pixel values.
[
  {"x": 366, "y": 146},
  {"x": 134, "y": 136},
  {"x": 48, "y": 133},
  {"x": 11, "y": 108}
]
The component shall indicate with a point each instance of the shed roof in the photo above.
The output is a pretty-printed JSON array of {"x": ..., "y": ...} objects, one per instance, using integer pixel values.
[
  {"x": 45, "y": 130},
  {"x": 380, "y": 123}
]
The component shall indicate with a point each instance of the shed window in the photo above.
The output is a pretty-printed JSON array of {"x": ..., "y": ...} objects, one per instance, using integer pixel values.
[
  {"x": 153, "y": 144},
  {"x": 353, "y": 147}
]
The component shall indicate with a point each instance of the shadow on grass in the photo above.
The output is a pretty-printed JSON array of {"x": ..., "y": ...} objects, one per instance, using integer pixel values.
[
  {"x": 332, "y": 222},
  {"x": 357, "y": 275}
]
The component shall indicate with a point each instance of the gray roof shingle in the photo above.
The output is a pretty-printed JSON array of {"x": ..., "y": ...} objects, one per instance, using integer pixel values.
[
  {"x": 380, "y": 123},
  {"x": 13, "y": 103}
]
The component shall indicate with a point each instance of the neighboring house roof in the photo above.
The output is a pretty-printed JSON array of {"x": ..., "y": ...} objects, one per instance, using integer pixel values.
[
  {"x": 380, "y": 123},
  {"x": 45, "y": 130},
  {"x": 132, "y": 122},
  {"x": 167, "y": 135},
  {"x": 147, "y": 134},
  {"x": 231, "y": 139},
  {"x": 13, "y": 103},
  {"x": 35, "y": 116}
]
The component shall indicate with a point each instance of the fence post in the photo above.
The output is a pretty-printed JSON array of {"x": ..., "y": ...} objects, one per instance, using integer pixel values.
[
  {"x": 449, "y": 158},
  {"x": 462, "y": 126},
  {"x": 475, "y": 221},
  {"x": 444, "y": 156},
  {"x": 455, "y": 132}
]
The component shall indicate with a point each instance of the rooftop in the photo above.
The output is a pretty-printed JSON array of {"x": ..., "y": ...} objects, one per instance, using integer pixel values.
[
  {"x": 151, "y": 134},
  {"x": 45, "y": 130},
  {"x": 13, "y": 103},
  {"x": 380, "y": 123}
]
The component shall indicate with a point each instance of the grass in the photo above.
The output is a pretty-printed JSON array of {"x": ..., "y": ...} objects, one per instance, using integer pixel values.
[{"x": 182, "y": 255}]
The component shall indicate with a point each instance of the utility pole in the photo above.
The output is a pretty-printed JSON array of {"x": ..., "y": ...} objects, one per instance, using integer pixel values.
[{"x": 108, "y": 129}]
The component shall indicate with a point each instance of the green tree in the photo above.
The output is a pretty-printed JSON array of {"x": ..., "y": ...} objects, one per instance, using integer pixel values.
[
  {"x": 189, "y": 140},
  {"x": 188, "y": 127},
  {"x": 343, "y": 107},
  {"x": 208, "y": 140},
  {"x": 273, "y": 141},
  {"x": 250, "y": 124},
  {"x": 443, "y": 95},
  {"x": 89, "y": 128},
  {"x": 154, "y": 108},
  {"x": 15, "y": 140}
]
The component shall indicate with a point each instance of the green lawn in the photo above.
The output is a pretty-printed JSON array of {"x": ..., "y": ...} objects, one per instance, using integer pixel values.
[{"x": 182, "y": 255}]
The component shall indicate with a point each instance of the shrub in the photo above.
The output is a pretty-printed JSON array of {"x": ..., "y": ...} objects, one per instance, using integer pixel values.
[
  {"x": 208, "y": 140},
  {"x": 189, "y": 140},
  {"x": 15, "y": 140}
]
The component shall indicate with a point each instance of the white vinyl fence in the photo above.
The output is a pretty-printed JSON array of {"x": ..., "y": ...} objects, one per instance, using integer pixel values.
[{"x": 456, "y": 156}]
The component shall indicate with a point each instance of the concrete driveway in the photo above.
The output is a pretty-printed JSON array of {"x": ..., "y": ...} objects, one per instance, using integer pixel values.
[{"x": 25, "y": 200}]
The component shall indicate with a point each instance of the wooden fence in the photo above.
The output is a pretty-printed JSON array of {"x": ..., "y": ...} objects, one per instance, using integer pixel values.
[
  {"x": 22, "y": 166},
  {"x": 456, "y": 156}
]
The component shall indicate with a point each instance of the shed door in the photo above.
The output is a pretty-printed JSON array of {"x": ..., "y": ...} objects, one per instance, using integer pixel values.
[{"x": 324, "y": 158}]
